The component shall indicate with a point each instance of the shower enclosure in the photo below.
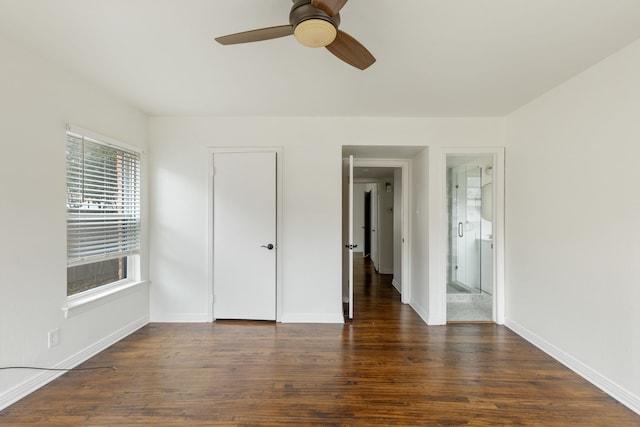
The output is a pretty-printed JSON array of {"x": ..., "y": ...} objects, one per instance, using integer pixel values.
[
  {"x": 469, "y": 272},
  {"x": 466, "y": 229}
]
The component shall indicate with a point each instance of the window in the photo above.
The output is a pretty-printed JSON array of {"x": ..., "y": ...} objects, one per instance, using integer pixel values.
[{"x": 103, "y": 213}]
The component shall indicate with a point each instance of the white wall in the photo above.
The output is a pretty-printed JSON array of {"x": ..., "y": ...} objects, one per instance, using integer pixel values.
[
  {"x": 312, "y": 241},
  {"x": 37, "y": 100},
  {"x": 419, "y": 238},
  {"x": 572, "y": 232},
  {"x": 397, "y": 229},
  {"x": 385, "y": 227}
]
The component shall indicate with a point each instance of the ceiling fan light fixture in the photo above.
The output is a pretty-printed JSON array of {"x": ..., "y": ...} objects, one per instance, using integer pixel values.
[{"x": 315, "y": 32}]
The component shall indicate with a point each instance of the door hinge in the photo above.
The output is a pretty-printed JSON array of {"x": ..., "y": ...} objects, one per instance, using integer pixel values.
[{"x": 213, "y": 171}]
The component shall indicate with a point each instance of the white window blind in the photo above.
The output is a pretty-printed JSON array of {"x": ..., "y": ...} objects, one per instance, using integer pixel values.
[{"x": 103, "y": 201}]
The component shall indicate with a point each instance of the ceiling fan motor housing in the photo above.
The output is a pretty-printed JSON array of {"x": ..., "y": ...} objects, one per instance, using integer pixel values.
[{"x": 311, "y": 26}]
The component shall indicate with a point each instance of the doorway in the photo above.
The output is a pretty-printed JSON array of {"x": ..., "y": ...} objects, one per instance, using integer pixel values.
[
  {"x": 470, "y": 248},
  {"x": 245, "y": 210},
  {"x": 380, "y": 185},
  {"x": 375, "y": 211}
]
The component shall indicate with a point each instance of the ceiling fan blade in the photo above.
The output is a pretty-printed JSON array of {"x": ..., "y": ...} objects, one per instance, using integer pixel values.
[
  {"x": 351, "y": 51},
  {"x": 256, "y": 35},
  {"x": 332, "y": 7}
]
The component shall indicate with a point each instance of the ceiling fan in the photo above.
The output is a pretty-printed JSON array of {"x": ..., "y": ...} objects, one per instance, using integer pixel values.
[{"x": 314, "y": 23}]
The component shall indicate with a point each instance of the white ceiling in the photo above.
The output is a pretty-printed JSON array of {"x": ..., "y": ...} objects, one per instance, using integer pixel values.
[{"x": 434, "y": 57}]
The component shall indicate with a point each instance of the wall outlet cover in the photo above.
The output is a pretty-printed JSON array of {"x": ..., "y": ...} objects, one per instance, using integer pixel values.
[{"x": 54, "y": 337}]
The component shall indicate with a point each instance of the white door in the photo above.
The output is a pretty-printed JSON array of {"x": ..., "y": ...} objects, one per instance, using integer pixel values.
[
  {"x": 351, "y": 245},
  {"x": 244, "y": 241},
  {"x": 347, "y": 233}
]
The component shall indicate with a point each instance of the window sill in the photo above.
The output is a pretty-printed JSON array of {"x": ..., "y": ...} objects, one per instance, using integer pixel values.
[{"x": 82, "y": 303}]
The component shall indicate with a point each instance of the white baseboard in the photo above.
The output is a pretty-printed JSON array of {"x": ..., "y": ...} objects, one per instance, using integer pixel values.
[
  {"x": 41, "y": 379},
  {"x": 429, "y": 320},
  {"x": 614, "y": 390},
  {"x": 420, "y": 311},
  {"x": 396, "y": 285},
  {"x": 312, "y": 318}
]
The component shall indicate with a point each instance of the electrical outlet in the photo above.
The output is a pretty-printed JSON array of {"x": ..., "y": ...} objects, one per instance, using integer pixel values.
[{"x": 54, "y": 337}]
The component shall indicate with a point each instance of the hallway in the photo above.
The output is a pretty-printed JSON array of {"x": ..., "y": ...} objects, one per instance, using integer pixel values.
[{"x": 374, "y": 295}]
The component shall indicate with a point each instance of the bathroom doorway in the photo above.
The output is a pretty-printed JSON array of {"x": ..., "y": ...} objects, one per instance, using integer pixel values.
[{"x": 470, "y": 283}]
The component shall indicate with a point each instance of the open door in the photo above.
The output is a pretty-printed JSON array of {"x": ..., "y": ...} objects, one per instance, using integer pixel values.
[
  {"x": 470, "y": 289},
  {"x": 347, "y": 234},
  {"x": 351, "y": 245}
]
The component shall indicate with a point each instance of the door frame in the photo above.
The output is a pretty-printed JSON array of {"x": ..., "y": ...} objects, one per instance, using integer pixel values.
[
  {"x": 405, "y": 247},
  {"x": 210, "y": 175},
  {"x": 441, "y": 222}
]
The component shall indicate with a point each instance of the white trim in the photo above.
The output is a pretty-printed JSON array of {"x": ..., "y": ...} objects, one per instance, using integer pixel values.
[
  {"x": 210, "y": 175},
  {"x": 39, "y": 380},
  {"x": 101, "y": 139},
  {"x": 279, "y": 210},
  {"x": 621, "y": 394},
  {"x": 312, "y": 318},
  {"x": 404, "y": 165},
  {"x": 350, "y": 232},
  {"x": 420, "y": 311},
  {"x": 90, "y": 299},
  {"x": 439, "y": 215}
]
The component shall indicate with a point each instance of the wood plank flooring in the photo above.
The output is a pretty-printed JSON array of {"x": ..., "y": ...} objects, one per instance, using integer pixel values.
[{"x": 384, "y": 368}]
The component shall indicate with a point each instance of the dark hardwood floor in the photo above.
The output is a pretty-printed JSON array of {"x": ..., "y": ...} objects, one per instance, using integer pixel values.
[{"x": 384, "y": 368}]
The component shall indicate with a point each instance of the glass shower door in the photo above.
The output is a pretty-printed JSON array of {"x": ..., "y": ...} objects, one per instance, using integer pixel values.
[{"x": 467, "y": 232}]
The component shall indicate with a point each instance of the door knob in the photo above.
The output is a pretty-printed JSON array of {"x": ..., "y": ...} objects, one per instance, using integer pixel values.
[{"x": 269, "y": 246}]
